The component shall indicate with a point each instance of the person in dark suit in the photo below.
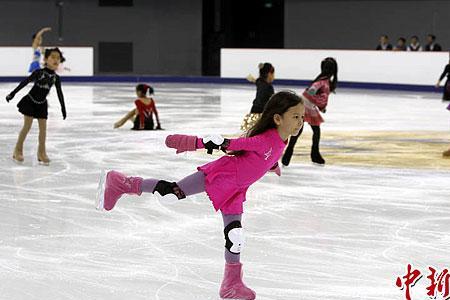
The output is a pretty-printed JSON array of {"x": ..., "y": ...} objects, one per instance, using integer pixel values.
[
  {"x": 384, "y": 43},
  {"x": 431, "y": 44}
]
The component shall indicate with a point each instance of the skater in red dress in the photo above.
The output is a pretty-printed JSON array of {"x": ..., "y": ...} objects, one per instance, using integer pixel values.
[
  {"x": 316, "y": 100},
  {"x": 142, "y": 114}
]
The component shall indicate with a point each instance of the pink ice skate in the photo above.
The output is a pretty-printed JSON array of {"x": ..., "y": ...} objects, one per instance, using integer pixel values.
[
  {"x": 113, "y": 185},
  {"x": 182, "y": 142},
  {"x": 232, "y": 286}
]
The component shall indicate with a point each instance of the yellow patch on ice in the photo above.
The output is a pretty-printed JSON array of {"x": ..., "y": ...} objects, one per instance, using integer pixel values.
[{"x": 402, "y": 149}]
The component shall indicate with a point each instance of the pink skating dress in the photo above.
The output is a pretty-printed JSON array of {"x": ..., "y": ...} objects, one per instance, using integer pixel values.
[
  {"x": 228, "y": 178},
  {"x": 317, "y": 96}
]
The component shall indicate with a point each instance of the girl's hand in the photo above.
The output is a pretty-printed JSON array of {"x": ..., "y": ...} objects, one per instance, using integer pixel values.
[
  {"x": 250, "y": 78},
  {"x": 9, "y": 97},
  {"x": 182, "y": 142}
]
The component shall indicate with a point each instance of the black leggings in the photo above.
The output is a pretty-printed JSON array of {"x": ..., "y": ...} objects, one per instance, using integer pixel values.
[{"x": 290, "y": 148}]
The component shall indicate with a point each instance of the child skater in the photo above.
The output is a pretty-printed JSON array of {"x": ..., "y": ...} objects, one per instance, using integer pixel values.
[
  {"x": 264, "y": 90},
  {"x": 34, "y": 104},
  {"x": 316, "y": 100},
  {"x": 224, "y": 180},
  {"x": 142, "y": 115},
  {"x": 37, "y": 49},
  {"x": 446, "y": 95},
  {"x": 447, "y": 153}
]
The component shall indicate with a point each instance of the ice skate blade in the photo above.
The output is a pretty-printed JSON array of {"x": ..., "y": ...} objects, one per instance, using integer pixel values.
[
  {"x": 44, "y": 163},
  {"x": 19, "y": 162},
  {"x": 100, "y": 199},
  {"x": 317, "y": 164}
]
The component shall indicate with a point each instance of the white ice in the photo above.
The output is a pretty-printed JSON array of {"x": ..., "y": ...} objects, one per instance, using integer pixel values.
[{"x": 328, "y": 232}]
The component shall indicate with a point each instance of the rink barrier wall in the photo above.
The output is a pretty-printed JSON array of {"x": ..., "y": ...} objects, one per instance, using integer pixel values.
[
  {"x": 219, "y": 80},
  {"x": 355, "y": 66},
  {"x": 14, "y": 61}
]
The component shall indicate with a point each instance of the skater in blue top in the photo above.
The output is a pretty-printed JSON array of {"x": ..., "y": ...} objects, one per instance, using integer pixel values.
[{"x": 37, "y": 49}]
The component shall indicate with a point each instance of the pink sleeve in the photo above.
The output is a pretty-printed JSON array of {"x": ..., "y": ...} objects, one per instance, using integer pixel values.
[
  {"x": 199, "y": 144},
  {"x": 255, "y": 143},
  {"x": 317, "y": 94}
]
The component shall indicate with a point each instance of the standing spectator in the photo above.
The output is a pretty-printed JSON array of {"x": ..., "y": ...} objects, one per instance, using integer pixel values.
[
  {"x": 414, "y": 44},
  {"x": 384, "y": 43},
  {"x": 401, "y": 44},
  {"x": 431, "y": 44}
]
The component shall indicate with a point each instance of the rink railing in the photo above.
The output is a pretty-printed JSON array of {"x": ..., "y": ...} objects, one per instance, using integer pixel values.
[
  {"x": 413, "y": 71},
  {"x": 14, "y": 61},
  {"x": 355, "y": 66}
]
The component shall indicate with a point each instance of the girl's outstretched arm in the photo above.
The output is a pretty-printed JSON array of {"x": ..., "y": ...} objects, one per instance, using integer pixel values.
[
  {"x": 184, "y": 143},
  {"x": 254, "y": 143},
  {"x": 21, "y": 85},
  {"x": 39, "y": 35}
]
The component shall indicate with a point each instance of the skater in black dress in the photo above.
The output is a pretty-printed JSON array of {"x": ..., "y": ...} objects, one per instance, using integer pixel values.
[
  {"x": 34, "y": 104},
  {"x": 264, "y": 90}
]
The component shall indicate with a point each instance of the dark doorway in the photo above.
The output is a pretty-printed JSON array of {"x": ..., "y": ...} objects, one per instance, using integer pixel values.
[
  {"x": 240, "y": 24},
  {"x": 115, "y": 57}
]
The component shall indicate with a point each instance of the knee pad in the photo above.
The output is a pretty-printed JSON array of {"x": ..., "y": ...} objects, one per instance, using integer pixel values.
[
  {"x": 234, "y": 237},
  {"x": 164, "y": 187}
]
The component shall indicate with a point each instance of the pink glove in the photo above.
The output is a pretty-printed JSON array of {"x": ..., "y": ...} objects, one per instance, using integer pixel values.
[
  {"x": 448, "y": 107},
  {"x": 182, "y": 142},
  {"x": 276, "y": 169}
]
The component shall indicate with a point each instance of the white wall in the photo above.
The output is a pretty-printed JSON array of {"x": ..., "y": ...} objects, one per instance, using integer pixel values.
[
  {"x": 418, "y": 68},
  {"x": 14, "y": 61}
]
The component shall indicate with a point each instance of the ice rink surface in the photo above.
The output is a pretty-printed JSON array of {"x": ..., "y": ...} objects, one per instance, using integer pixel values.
[{"x": 334, "y": 232}]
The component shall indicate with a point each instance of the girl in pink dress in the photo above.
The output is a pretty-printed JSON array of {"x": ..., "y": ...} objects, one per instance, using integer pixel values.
[
  {"x": 316, "y": 100},
  {"x": 224, "y": 180}
]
